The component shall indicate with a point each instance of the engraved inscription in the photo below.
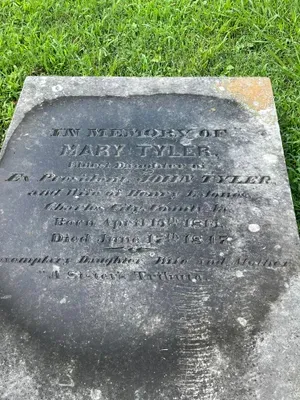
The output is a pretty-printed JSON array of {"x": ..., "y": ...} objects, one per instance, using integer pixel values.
[
  {"x": 73, "y": 222},
  {"x": 173, "y": 150},
  {"x": 76, "y": 150},
  {"x": 63, "y": 132},
  {"x": 50, "y": 177},
  {"x": 140, "y": 166},
  {"x": 156, "y": 133}
]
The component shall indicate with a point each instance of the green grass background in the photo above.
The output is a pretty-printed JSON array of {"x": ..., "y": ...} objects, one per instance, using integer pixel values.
[{"x": 157, "y": 38}]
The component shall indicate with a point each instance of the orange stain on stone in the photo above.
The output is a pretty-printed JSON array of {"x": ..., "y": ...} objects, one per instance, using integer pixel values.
[{"x": 256, "y": 93}]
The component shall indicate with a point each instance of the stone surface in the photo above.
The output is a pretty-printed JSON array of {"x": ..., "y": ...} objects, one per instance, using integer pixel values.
[{"x": 149, "y": 248}]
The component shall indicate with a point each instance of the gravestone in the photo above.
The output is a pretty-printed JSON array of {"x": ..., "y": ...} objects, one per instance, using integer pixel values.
[{"x": 149, "y": 248}]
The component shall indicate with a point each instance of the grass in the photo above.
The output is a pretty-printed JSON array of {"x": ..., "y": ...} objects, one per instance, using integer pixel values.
[{"x": 157, "y": 38}]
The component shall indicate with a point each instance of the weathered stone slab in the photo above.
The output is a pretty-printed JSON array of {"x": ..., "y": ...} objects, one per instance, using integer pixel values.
[{"x": 149, "y": 248}]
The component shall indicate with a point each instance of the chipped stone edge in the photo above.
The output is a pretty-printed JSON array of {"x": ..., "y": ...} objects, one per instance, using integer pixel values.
[{"x": 38, "y": 89}]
